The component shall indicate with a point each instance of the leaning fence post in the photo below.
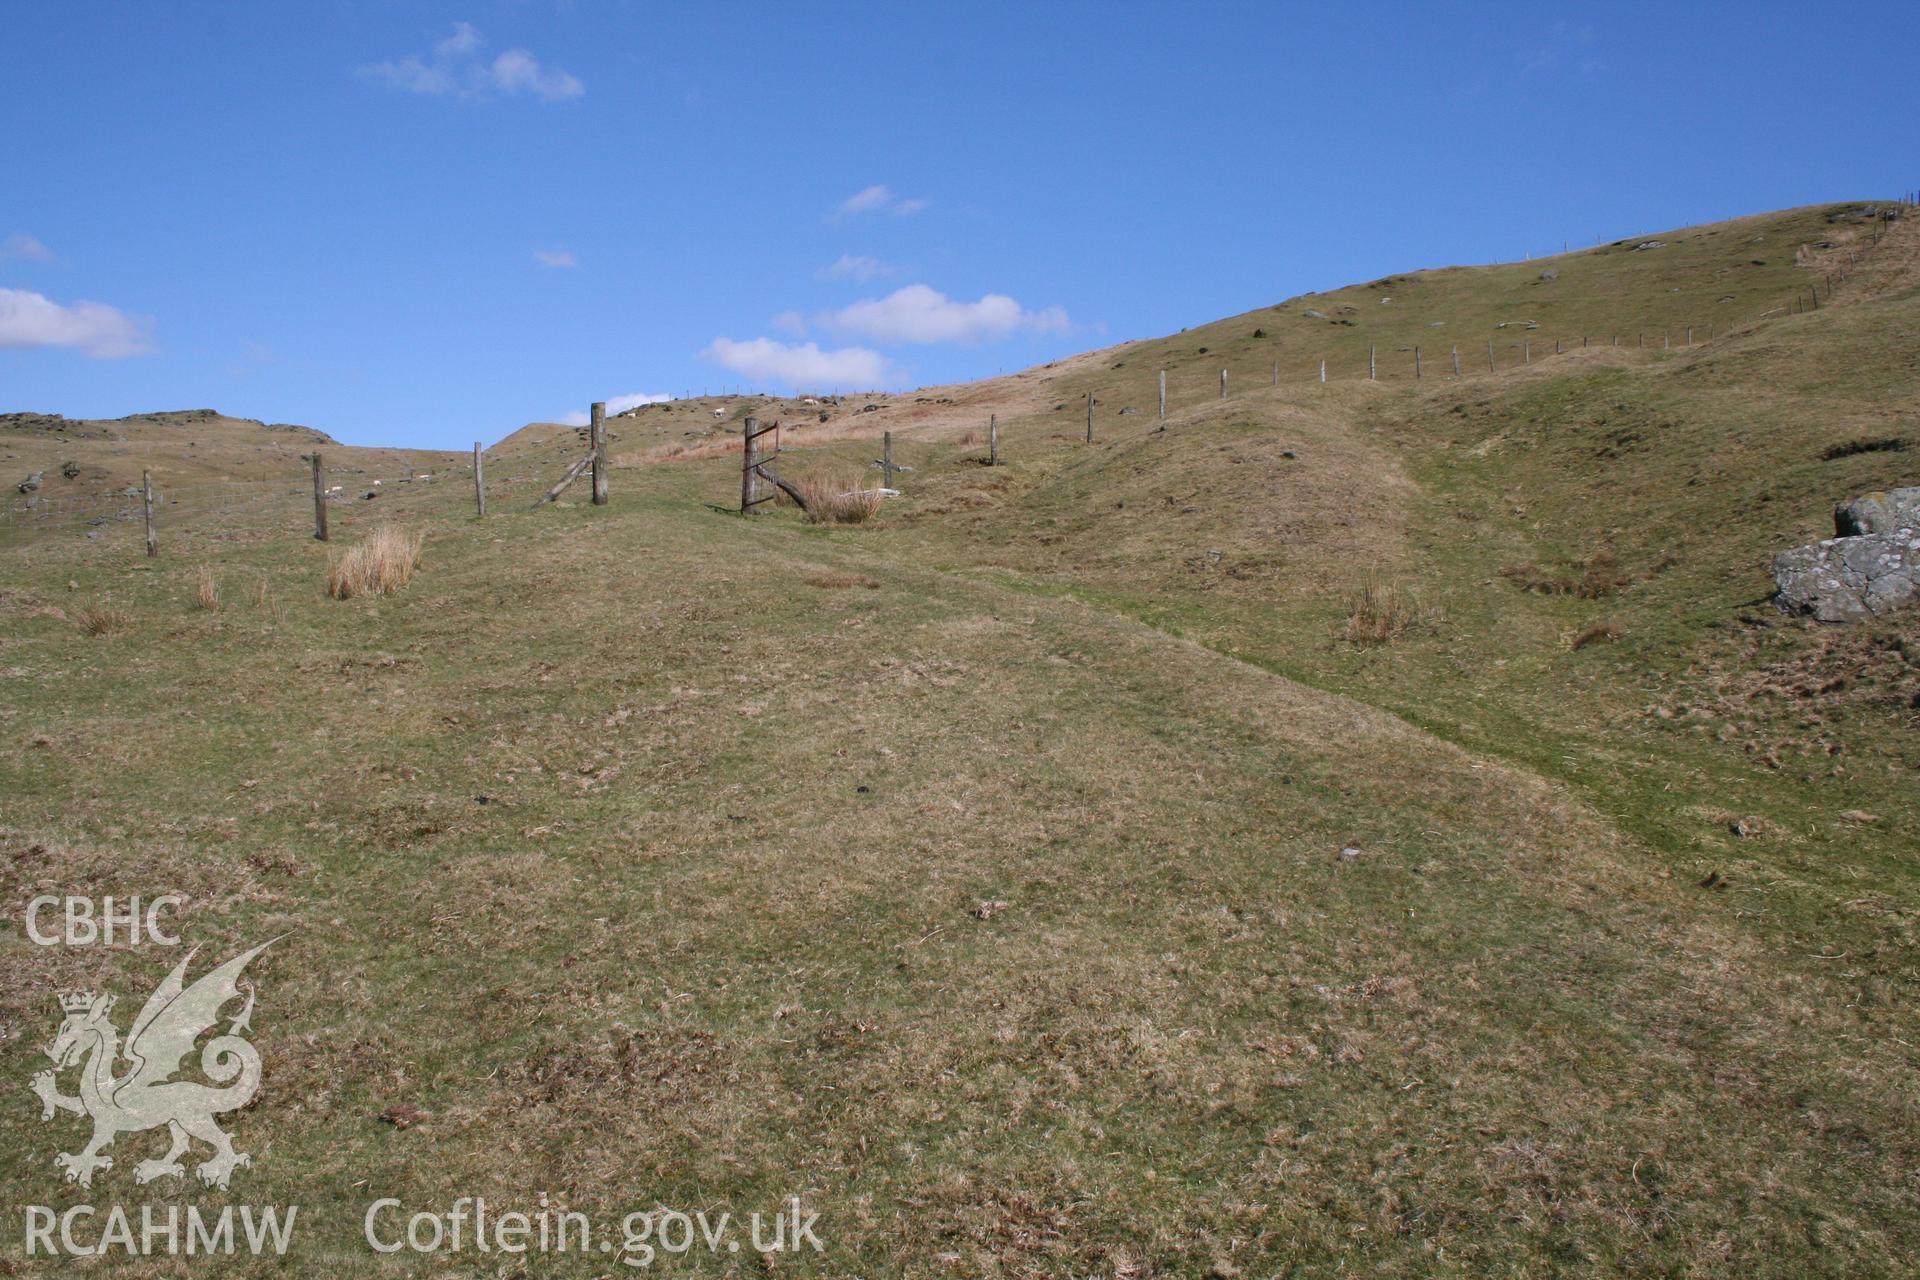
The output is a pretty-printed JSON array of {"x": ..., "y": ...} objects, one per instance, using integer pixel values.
[
  {"x": 886, "y": 458},
  {"x": 748, "y": 489},
  {"x": 1490, "y": 364},
  {"x": 1416, "y": 364},
  {"x": 146, "y": 502},
  {"x": 597, "y": 441},
  {"x": 1089, "y": 417},
  {"x": 319, "y": 498},
  {"x": 993, "y": 439},
  {"x": 479, "y": 480}
]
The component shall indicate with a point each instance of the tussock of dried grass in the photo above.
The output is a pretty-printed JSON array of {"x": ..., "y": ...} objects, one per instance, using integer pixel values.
[
  {"x": 835, "y": 580},
  {"x": 835, "y": 497},
  {"x": 384, "y": 562},
  {"x": 1598, "y": 632},
  {"x": 99, "y": 619},
  {"x": 206, "y": 591},
  {"x": 1378, "y": 613}
]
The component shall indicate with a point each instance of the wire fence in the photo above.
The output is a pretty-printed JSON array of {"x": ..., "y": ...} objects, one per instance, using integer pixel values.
[
  {"x": 283, "y": 505},
  {"x": 251, "y": 509}
]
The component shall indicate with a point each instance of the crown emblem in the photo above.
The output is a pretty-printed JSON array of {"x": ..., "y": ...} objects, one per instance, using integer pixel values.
[{"x": 78, "y": 1001}]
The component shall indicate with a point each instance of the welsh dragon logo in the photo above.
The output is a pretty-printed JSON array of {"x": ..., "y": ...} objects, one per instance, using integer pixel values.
[{"x": 144, "y": 1095}]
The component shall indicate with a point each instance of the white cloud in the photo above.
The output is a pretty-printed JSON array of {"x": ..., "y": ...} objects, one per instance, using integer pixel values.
[
  {"x": 516, "y": 70},
  {"x": 919, "y": 313},
  {"x": 1565, "y": 41},
  {"x": 463, "y": 41},
  {"x": 103, "y": 332},
  {"x": 412, "y": 75},
  {"x": 22, "y": 245},
  {"x": 792, "y": 323},
  {"x": 455, "y": 67},
  {"x": 849, "y": 266},
  {"x": 615, "y": 404},
  {"x": 879, "y": 198},
  {"x": 802, "y": 365},
  {"x": 620, "y": 404},
  {"x": 874, "y": 197},
  {"x": 555, "y": 257}
]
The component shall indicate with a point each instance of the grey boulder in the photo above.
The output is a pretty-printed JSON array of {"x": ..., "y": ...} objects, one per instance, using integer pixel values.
[
  {"x": 1881, "y": 512},
  {"x": 1872, "y": 569}
]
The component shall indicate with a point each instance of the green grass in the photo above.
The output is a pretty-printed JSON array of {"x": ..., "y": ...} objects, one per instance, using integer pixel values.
[{"x": 650, "y": 869}]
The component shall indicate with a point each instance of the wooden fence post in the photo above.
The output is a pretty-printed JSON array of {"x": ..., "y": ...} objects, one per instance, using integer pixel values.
[
  {"x": 597, "y": 441},
  {"x": 886, "y": 458},
  {"x": 319, "y": 498},
  {"x": 993, "y": 439},
  {"x": 749, "y": 488},
  {"x": 1373, "y": 368},
  {"x": 146, "y": 502},
  {"x": 1416, "y": 364},
  {"x": 1456, "y": 360},
  {"x": 1526, "y": 351},
  {"x": 1089, "y": 417},
  {"x": 1689, "y": 335},
  {"x": 1223, "y": 384},
  {"x": 1491, "y": 368},
  {"x": 479, "y": 481},
  {"x": 1163, "y": 395},
  {"x": 1556, "y": 347},
  {"x": 1276, "y": 374},
  {"x": 1323, "y": 371}
]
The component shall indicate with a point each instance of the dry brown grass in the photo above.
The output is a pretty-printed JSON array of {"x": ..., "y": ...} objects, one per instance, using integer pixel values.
[
  {"x": 206, "y": 591},
  {"x": 384, "y": 562},
  {"x": 834, "y": 496},
  {"x": 1378, "y": 613},
  {"x": 1597, "y": 633},
  {"x": 837, "y": 580},
  {"x": 99, "y": 619},
  {"x": 1594, "y": 578}
]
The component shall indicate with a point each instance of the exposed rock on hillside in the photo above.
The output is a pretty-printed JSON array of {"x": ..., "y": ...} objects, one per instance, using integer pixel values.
[{"x": 1871, "y": 568}]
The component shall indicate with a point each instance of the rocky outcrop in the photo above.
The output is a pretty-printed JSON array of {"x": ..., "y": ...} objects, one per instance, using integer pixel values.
[
  {"x": 1877, "y": 513},
  {"x": 1871, "y": 568}
]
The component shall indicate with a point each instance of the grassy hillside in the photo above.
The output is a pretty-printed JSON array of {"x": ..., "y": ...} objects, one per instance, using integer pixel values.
[{"x": 1071, "y": 872}]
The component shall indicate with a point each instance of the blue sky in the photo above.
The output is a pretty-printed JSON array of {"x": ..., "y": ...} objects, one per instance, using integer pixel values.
[{"x": 428, "y": 224}]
